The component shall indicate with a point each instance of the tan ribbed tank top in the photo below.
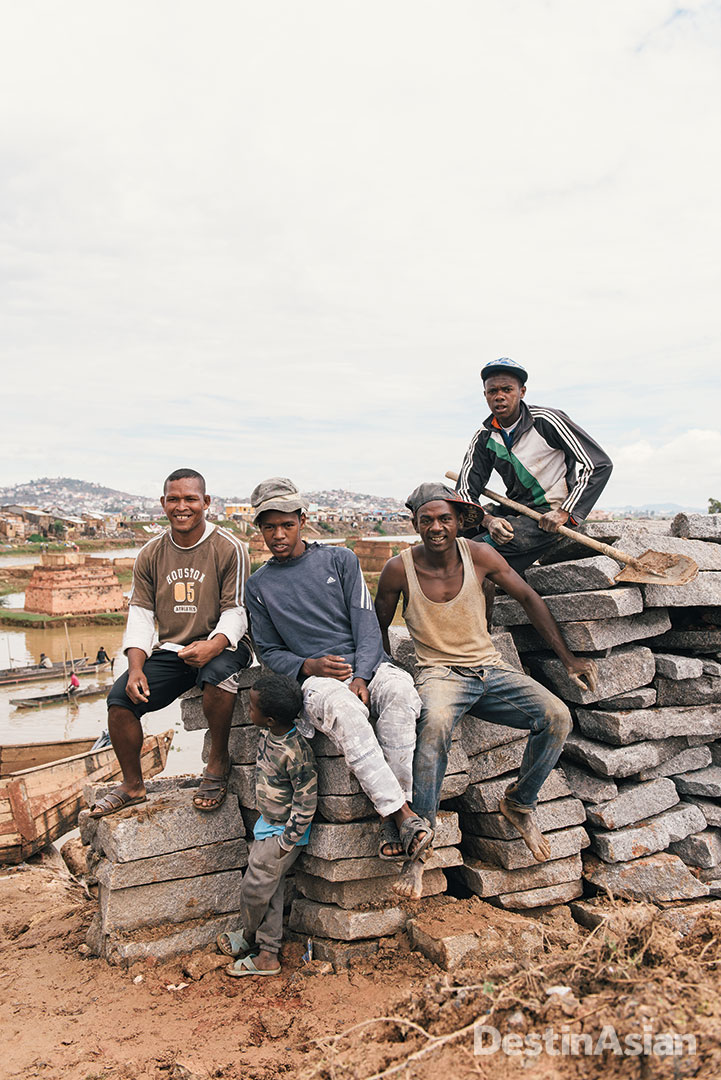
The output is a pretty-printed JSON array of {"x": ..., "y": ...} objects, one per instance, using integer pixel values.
[{"x": 453, "y": 633}]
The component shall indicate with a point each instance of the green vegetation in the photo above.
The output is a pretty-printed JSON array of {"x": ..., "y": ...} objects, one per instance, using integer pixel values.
[
  {"x": 9, "y": 617},
  {"x": 714, "y": 506},
  {"x": 378, "y": 528}
]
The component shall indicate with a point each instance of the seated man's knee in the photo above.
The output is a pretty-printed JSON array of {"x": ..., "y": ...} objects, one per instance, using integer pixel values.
[
  {"x": 436, "y": 730},
  {"x": 559, "y": 720}
]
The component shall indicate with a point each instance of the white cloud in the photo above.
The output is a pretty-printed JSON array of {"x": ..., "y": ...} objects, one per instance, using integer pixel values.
[
  {"x": 689, "y": 465},
  {"x": 327, "y": 216}
]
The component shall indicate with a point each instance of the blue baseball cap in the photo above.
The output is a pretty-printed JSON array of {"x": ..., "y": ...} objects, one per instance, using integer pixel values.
[{"x": 505, "y": 366}]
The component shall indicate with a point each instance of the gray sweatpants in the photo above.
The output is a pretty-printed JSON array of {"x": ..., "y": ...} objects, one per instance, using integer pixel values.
[
  {"x": 380, "y": 759},
  {"x": 261, "y": 893}
]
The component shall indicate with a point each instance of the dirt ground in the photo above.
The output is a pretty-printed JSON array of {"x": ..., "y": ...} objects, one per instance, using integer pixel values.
[{"x": 69, "y": 1015}]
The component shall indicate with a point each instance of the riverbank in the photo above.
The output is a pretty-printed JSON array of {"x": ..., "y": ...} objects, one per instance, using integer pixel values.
[{"x": 11, "y": 617}]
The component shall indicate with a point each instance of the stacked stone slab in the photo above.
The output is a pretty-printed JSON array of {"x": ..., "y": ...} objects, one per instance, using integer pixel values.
[
  {"x": 168, "y": 876},
  {"x": 341, "y": 891},
  {"x": 644, "y": 754}
]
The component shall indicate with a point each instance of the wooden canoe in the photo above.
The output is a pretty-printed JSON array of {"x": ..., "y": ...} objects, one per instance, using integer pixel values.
[
  {"x": 20, "y": 676},
  {"x": 39, "y": 700},
  {"x": 41, "y": 788}
]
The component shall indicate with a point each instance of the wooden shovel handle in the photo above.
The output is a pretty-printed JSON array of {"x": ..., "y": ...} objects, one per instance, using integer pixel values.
[{"x": 588, "y": 541}]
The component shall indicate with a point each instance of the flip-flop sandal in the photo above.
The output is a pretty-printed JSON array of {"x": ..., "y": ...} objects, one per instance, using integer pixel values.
[
  {"x": 389, "y": 835},
  {"x": 211, "y": 787},
  {"x": 246, "y": 966},
  {"x": 115, "y": 800},
  {"x": 232, "y": 943},
  {"x": 409, "y": 829}
]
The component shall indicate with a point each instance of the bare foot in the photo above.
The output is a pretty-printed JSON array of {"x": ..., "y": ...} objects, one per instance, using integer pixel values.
[
  {"x": 526, "y": 825},
  {"x": 410, "y": 881},
  {"x": 266, "y": 961}
]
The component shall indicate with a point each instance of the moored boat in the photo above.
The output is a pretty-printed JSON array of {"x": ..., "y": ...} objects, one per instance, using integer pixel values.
[
  {"x": 41, "y": 787},
  {"x": 34, "y": 673},
  {"x": 39, "y": 700}
]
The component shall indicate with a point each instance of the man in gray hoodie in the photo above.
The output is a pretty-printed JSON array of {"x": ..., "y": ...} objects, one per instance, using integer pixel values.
[{"x": 312, "y": 618}]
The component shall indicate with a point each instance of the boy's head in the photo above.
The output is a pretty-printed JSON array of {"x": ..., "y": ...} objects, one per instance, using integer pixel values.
[{"x": 277, "y": 700}]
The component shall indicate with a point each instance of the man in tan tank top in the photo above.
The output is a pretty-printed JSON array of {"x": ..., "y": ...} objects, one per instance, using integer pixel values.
[{"x": 441, "y": 581}]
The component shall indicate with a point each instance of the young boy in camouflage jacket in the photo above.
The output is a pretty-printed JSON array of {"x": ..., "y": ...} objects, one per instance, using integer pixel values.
[{"x": 286, "y": 793}]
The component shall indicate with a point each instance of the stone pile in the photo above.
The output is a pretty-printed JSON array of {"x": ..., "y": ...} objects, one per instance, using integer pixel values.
[
  {"x": 645, "y": 754},
  {"x": 340, "y": 890},
  {"x": 168, "y": 876}
]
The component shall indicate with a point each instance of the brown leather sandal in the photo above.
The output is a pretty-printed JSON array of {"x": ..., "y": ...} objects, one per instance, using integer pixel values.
[{"x": 213, "y": 788}]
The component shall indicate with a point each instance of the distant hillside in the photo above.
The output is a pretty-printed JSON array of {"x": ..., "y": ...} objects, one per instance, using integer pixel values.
[{"x": 75, "y": 496}]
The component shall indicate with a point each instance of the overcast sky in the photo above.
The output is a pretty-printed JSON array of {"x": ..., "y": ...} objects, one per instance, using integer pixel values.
[{"x": 283, "y": 238}]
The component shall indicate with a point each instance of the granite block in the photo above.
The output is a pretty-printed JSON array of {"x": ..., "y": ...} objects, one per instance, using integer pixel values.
[
  {"x": 478, "y": 736},
  {"x": 642, "y": 698},
  {"x": 354, "y": 894},
  {"x": 597, "y": 572},
  {"x": 496, "y": 761},
  {"x": 596, "y": 635},
  {"x": 660, "y": 877},
  {"x": 634, "y": 803},
  {"x": 647, "y": 837},
  {"x": 163, "y": 824},
  {"x": 329, "y": 921},
  {"x": 242, "y": 745},
  {"x": 703, "y": 591},
  {"x": 704, "y": 782},
  {"x": 697, "y": 526},
  {"x": 485, "y": 796},
  {"x": 361, "y": 839},
  {"x": 548, "y": 896},
  {"x": 364, "y": 868},
  {"x": 194, "y": 862},
  {"x": 696, "y": 757},
  {"x": 557, "y": 814},
  {"x": 169, "y": 901},
  {"x": 570, "y": 607},
  {"x": 513, "y": 854},
  {"x": 620, "y": 761},
  {"x": 627, "y": 668},
  {"x": 710, "y": 808},
  {"x": 703, "y": 690},
  {"x": 587, "y": 787},
  {"x": 484, "y": 879},
  {"x": 670, "y": 666},
  {"x": 345, "y": 808},
  {"x": 161, "y": 943},
  {"x": 706, "y": 556},
  {"x": 241, "y": 782},
  {"x": 640, "y": 725},
  {"x": 702, "y": 849}
]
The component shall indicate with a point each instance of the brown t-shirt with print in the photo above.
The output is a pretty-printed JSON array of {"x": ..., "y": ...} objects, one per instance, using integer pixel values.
[{"x": 189, "y": 588}]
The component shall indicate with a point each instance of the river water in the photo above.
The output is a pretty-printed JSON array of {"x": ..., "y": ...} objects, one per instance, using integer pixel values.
[{"x": 81, "y": 719}]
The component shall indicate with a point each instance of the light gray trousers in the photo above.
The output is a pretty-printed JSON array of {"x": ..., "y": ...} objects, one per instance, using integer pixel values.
[{"x": 380, "y": 759}]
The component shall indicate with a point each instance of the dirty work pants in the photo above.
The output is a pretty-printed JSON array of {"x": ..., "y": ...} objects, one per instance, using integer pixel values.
[
  {"x": 499, "y": 696},
  {"x": 528, "y": 543},
  {"x": 262, "y": 891},
  {"x": 381, "y": 760}
]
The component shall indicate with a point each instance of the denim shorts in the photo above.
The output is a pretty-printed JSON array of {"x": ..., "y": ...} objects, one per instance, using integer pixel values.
[{"x": 168, "y": 677}]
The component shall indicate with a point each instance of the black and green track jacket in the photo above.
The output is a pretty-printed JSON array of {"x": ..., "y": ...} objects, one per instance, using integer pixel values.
[{"x": 547, "y": 462}]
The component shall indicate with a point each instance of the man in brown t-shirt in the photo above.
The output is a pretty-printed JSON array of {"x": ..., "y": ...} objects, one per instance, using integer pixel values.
[{"x": 190, "y": 580}]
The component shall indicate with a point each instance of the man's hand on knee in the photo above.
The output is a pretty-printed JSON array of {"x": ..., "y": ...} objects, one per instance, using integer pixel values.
[
  {"x": 200, "y": 653},
  {"x": 500, "y": 530},
  {"x": 137, "y": 688},
  {"x": 359, "y": 687},
  {"x": 328, "y": 667}
]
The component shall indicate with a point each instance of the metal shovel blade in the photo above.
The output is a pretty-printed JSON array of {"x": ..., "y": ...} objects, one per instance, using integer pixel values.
[{"x": 657, "y": 568}]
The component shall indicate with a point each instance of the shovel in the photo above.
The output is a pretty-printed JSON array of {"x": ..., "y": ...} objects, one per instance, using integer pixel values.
[{"x": 650, "y": 568}]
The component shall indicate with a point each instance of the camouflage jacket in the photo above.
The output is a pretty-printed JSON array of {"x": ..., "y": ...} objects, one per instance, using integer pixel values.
[{"x": 286, "y": 784}]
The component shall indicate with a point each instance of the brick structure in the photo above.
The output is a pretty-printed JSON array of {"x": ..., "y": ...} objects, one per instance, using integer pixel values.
[
  {"x": 65, "y": 585},
  {"x": 374, "y": 554}
]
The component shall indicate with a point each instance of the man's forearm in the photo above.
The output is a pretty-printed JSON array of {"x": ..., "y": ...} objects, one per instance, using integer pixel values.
[
  {"x": 136, "y": 660},
  {"x": 546, "y": 625}
]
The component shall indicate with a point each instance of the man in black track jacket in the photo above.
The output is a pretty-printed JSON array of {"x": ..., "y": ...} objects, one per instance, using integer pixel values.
[{"x": 546, "y": 461}]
